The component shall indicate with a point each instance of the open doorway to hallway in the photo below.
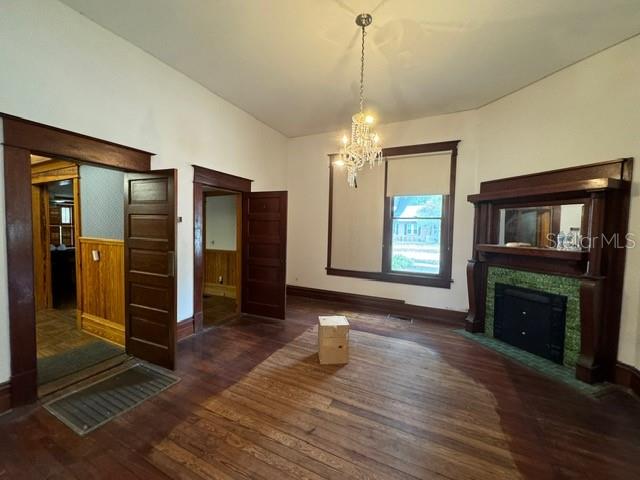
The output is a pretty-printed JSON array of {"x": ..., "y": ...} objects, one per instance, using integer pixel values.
[
  {"x": 77, "y": 214},
  {"x": 222, "y": 259}
]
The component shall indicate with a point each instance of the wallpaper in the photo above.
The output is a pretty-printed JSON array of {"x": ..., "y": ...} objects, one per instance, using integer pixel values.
[{"x": 101, "y": 202}]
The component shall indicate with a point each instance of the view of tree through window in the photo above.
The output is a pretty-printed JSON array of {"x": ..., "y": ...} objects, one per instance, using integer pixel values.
[{"x": 416, "y": 234}]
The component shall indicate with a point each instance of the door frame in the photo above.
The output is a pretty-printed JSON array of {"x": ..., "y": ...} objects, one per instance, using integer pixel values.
[
  {"x": 202, "y": 179},
  {"x": 21, "y": 139},
  {"x": 77, "y": 227}
]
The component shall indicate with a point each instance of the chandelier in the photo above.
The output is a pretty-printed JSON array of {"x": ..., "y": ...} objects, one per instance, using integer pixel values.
[{"x": 364, "y": 146}]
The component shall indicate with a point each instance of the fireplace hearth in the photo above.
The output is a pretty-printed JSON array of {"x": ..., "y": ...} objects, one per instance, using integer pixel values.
[{"x": 531, "y": 320}]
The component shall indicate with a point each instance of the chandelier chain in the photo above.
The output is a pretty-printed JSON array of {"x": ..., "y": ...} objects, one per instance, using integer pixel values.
[
  {"x": 364, "y": 147},
  {"x": 364, "y": 33}
]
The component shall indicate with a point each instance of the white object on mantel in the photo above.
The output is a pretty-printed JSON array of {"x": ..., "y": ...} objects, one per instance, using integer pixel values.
[{"x": 333, "y": 340}]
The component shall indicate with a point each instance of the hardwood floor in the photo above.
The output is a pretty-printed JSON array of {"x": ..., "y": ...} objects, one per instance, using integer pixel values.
[
  {"x": 417, "y": 400},
  {"x": 56, "y": 332},
  {"x": 217, "y": 309}
]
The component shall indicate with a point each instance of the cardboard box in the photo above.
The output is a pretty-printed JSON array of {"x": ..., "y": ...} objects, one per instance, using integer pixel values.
[{"x": 333, "y": 340}]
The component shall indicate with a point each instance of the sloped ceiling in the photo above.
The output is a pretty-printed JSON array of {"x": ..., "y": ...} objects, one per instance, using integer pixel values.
[{"x": 294, "y": 64}]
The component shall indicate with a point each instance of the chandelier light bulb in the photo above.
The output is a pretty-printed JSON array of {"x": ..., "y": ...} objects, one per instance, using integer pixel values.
[{"x": 369, "y": 119}]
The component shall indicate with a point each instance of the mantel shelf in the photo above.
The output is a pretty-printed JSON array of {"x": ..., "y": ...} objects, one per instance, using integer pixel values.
[
  {"x": 580, "y": 186},
  {"x": 549, "y": 253}
]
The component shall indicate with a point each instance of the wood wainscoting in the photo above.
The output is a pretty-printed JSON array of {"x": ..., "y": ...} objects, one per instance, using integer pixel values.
[
  {"x": 221, "y": 263},
  {"x": 102, "y": 285}
]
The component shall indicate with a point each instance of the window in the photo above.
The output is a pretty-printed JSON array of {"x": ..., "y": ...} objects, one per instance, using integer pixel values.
[
  {"x": 417, "y": 248},
  {"x": 397, "y": 226},
  {"x": 65, "y": 215}
]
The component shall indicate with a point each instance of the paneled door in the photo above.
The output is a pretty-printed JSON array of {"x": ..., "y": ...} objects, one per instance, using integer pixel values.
[
  {"x": 150, "y": 266},
  {"x": 264, "y": 251}
]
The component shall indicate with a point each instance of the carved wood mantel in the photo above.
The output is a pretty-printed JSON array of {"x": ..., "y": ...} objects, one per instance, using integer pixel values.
[{"x": 604, "y": 189}]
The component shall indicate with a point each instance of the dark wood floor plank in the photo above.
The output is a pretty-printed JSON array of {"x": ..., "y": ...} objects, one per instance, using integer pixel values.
[{"x": 416, "y": 400}]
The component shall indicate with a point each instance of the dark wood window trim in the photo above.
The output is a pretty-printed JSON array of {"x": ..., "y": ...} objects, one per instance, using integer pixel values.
[
  {"x": 203, "y": 178},
  {"x": 443, "y": 280},
  {"x": 21, "y": 139}
]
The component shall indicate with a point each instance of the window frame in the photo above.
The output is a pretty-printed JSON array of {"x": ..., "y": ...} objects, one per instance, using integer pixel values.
[{"x": 441, "y": 280}]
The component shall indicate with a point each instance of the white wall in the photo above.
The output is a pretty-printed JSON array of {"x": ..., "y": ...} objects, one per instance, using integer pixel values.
[
  {"x": 61, "y": 69},
  {"x": 589, "y": 112},
  {"x": 221, "y": 226},
  {"x": 308, "y": 185}
]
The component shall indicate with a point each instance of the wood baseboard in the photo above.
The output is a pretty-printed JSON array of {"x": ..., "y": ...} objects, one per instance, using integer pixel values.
[
  {"x": 220, "y": 290},
  {"x": 628, "y": 376},
  {"x": 186, "y": 328},
  {"x": 379, "y": 304},
  {"x": 103, "y": 328},
  {"x": 5, "y": 397}
]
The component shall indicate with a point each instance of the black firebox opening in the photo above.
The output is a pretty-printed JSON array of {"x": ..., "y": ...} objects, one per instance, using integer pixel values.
[{"x": 531, "y": 320}]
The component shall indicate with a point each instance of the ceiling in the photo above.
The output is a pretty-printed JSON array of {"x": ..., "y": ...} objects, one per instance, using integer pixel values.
[{"x": 294, "y": 64}]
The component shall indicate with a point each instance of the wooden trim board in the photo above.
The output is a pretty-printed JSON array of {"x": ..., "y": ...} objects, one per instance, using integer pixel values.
[
  {"x": 103, "y": 328},
  {"x": 5, "y": 397},
  {"x": 186, "y": 328},
  {"x": 56, "y": 142},
  {"x": 382, "y": 305},
  {"x": 628, "y": 376}
]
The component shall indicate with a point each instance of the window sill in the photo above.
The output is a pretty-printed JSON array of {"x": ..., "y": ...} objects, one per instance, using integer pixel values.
[{"x": 407, "y": 279}]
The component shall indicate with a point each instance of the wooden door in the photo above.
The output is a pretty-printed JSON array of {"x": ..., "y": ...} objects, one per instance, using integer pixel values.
[
  {"x": 264, "y": 253},
  {"x": 150, "y": 266}
]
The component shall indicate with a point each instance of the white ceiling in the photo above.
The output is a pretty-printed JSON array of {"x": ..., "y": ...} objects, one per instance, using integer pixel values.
[{"x": 294, "y": 64}]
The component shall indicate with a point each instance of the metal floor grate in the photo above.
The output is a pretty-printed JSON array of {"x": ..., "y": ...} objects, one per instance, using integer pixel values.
[{"x": 94, "y": 405}]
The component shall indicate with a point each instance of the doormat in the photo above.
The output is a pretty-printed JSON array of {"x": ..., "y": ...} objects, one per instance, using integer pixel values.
[
  {"x": 77, "y": 359},
  {"x": 96, "y": 404},
  {"x": 541, "y": 365}
]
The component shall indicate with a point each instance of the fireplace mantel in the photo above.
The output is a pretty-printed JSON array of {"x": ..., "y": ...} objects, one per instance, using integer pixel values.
[{"x": 604, "y": 189}]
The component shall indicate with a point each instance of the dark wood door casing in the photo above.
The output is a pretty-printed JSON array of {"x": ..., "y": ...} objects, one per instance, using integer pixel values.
[
  {"x": 21, "y": 139},
  {"x": 204, "y": 178},
  {"x": 264, "y": 266},
  {"x": 150, "y": 266}
]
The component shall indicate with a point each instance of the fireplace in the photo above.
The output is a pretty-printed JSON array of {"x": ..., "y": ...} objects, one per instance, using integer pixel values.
[
  {"x": 531, "y": 320},
  {"x": 589, "y": 274}
]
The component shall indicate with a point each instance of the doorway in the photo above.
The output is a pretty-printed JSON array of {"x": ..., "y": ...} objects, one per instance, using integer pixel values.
[
  {"x": 261, "y": 237},
  {"x": 78, "y": 269},
  {"x": 149, "y": 219},
  {"x": 222, "y": 256}
]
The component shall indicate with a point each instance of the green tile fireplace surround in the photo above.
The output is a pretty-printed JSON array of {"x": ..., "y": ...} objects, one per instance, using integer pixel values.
[{"x": 554, "y": 284}]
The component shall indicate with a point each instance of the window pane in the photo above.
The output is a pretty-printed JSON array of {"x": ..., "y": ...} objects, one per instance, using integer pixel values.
[
  {"x": 417, "y": 206},
  {"x": 65, "y": 213},
  {"x": 415, "y": 245}
]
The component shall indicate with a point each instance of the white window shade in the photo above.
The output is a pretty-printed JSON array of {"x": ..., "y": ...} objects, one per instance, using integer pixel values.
[
  {"x": 427, "y": 174},
  {"x": 357, "y": 220}
]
